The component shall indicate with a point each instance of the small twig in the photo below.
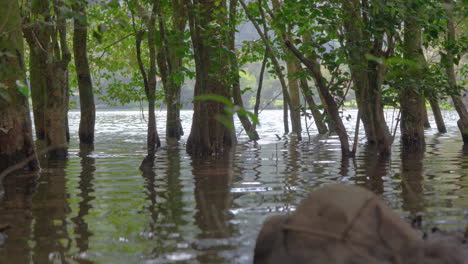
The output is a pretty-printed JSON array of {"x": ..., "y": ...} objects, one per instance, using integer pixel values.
[{"x": 113, "y": 43}]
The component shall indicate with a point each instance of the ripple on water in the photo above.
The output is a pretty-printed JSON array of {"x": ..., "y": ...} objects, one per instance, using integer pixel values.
[{"x": 99, "y": 208}]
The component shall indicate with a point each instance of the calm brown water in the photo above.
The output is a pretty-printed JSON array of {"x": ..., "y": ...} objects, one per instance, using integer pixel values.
[{"x": 97, "y": 207}]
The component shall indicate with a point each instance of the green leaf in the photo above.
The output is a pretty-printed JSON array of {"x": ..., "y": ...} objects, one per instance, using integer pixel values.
[{"x": 214, "y": 97}]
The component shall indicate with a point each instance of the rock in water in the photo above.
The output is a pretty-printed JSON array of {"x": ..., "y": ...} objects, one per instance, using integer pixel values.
[{"x": 342, "y": 224}]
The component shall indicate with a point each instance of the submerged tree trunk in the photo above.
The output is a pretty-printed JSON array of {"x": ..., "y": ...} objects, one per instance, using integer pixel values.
[
  {"x": 425, "y": 116},
  {"x": 293, "y": 81},
  {"x": 450, "y": 70},
  {"x": 411, "y": 101},
  {"x": 212, "y": 129},
  {"x": 85, "y": 86},
  {"x": 367, "y": 76},
  {"x": 16, "y": 143},
  {"x": 236, "y": 93},
  {"x": 276, "y": 65},
  {"x": 46, "y": 36},
  {"x": 170, "y": 64},
  {"x": 437, "y": 115},
  {"x": 149, "y": 79},
  {"x": 331, "y": 105},
  {"x": 260, "y": 86},
  {"x": 318, "y": 117}
]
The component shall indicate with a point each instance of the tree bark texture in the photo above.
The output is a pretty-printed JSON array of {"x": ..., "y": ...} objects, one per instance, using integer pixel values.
[
  {"x": 367, "y": 76},
  {"x": 85, "y": 85},
  {"x": 208, "y": 23},
  {"x": 411, "y": 100},
  {"x": 50, "y": 56},
  {"x": 16, "y": 143},
  {"x": 170, "y": 65},
  {"x": 450, "y": 70}
]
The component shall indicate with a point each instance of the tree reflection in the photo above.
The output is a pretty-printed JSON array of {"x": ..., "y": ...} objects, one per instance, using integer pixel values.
[
  {"x": 50, "y": 212},
  {"x": 86, "y": 188},
  {"x": 375, "y": 168},
  {"x": 213, "y": 199},
  {"x": 166, "y": 206},
  {"x": 411, "y": 181},
  {"x": 16, "y": 218}
]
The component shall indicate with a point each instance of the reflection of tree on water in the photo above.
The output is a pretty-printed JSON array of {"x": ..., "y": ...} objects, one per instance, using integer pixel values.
[
  {"x": 411, "y": 181},
  {"x": 166, "y": 207},
  {"x": 86, "y": 188},
  {"x": 292, "y": 168},
  {"x": 15, "y": 213},
  {"x": 50, "y": 225},
  {"x": 375, "y": 168},
  {"x": 213, "y": 199}
]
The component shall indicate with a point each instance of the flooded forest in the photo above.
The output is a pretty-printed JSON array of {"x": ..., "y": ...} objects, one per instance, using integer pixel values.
[{"x": 168, "y": 131}]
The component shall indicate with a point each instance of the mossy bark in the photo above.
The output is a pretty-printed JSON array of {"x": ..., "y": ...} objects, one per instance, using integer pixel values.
[
  {"x": 411, "y": 101},
  {"x": 50, "y": 56},
  {"x": 16, "y": 144},
  {"x": 85, "y": 85},
  {"x": 212, "y": 128}
]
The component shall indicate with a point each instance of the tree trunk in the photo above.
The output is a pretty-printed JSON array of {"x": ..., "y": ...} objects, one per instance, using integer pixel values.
[
  {"x": 38, "y": 91},
  {"x": 149, "y": 79},
  {"x": 85, "y": 86},
  {"x": 331, "y": 105},
  {"x": 437, "y": 115},
  {"x": 411, "y": 101},
  {"x": 318, "y": 117},
  {"x": 236, "y": 93},
  {"x": 276, "y": 65},
  {"x": 260, "y": 86},
  {"x": 367, "y": 77},
  {"x": 450, "y": 70},
  {"x": 425, "y": 116},
  {"x": 16, "y": 144},
  {"x": 46, "y": 36},
  {"x": 291, "y": 65},
  {"x": 170, "y": 65},
  {"x": 208, "y": 135}
]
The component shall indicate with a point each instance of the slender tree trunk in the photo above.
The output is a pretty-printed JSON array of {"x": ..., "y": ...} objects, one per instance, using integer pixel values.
[
  {"x": 85, "y": 86},
  {"x": 425, "y": 116},
  {"x": 412, "y": 120},
  {"x": 332, "y": 107},
  {"x": 236, "y": 93},
  {"x": 450, "y": 70},
  {"x": 318, "y": 117},
  {"x": 170, "y": 65},
  {"x": 276, "y": 65},
  {"x": 260, "y": 86},
  {"x": 437, "y": 115},
  {"x": 293, "y": 81},
  {"x": 149, "y": 79},
  {"x": 16, "y": 144},
  {"x": 208, "y": 135}
]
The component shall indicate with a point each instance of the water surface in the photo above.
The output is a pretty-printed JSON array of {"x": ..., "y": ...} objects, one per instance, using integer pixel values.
[{"x": 97, "y": 207}]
